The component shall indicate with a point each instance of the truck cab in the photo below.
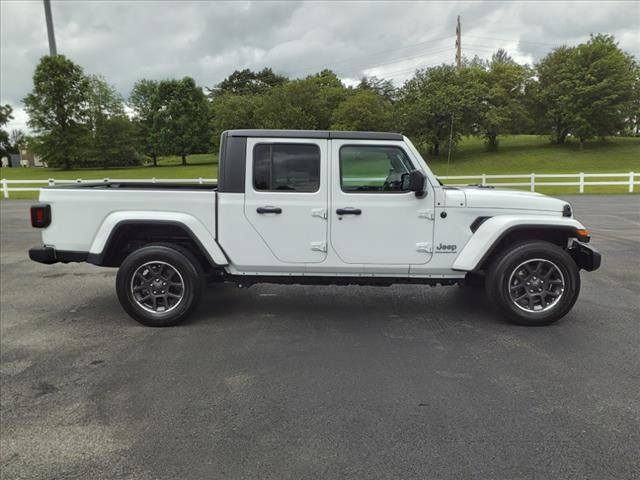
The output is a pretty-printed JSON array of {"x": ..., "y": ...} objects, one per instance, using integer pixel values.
[
  {"x": 318, "y": 207},
  {"x": 333, "y": 203}
]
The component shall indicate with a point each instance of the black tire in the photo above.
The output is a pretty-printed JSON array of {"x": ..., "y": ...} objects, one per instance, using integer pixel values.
[
  {"x": 163, "y": 258},
  {"x": 518, "y": 264}
]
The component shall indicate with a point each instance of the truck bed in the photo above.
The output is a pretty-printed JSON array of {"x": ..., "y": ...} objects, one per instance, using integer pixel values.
[{"x": 83, "y": 213}]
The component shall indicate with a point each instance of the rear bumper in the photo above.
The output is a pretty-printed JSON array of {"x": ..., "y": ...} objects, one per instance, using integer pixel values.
[
  {"x": 49, "y": 255},
  {"x": 586, "y": 257}
]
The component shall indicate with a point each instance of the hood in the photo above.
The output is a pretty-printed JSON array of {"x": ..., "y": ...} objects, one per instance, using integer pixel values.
[{"x": 512, "y": 199}]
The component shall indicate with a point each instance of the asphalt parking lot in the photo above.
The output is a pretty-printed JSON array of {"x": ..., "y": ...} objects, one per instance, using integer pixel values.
[{"x": 292, "y": 382}]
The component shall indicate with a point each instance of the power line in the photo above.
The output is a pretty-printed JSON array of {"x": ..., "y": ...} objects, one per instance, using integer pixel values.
[
  {"x": 541, "y": 46},
  {"x": 372, "y": 54},
  {"x": 494, "y": 48},
  {"x": 397, "y": 73},
  {"x": 392, "y": 62},
  {"x": 511, "y": 39}
]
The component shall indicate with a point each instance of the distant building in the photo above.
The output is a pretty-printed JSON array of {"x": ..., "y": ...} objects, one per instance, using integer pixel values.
[
  {"x": 30, "y": 159},
  {"x": 25, "y": 158}
]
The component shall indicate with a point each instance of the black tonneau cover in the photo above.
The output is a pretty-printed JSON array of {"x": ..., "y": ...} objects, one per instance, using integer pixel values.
[{"x": 141, "y": 185}]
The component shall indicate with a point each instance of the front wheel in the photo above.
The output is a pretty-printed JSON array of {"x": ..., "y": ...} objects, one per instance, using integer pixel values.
[
  {"x": 158, "y": 285},
  {"x": 533, "y": 283}
]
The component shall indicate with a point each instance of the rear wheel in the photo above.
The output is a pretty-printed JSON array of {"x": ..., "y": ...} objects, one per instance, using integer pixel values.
[
  {"x": 533, "y": 283},
  {"x": 159, "y": 285}
]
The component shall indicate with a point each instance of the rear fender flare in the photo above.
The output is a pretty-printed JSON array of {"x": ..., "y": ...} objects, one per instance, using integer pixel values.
[{"x": 192, "y": 226}]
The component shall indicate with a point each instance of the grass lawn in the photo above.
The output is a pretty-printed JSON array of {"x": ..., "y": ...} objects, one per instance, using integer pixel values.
[
  {"x": 524, "y": 154},
  {"x": 517, "y": 154},
  {"x": 532, "y": 153}
]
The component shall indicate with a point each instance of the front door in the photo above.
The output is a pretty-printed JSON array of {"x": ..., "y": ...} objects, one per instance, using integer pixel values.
[
  {"x": 286, "y": 196},
  {"x": 374, "y": 219}
]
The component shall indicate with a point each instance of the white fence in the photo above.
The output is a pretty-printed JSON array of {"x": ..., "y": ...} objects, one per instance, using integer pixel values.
[{"x": 530, "y": 181}]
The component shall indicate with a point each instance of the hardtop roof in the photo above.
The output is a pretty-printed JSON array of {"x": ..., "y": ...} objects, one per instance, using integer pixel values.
[{"x": 315, "y": 134}]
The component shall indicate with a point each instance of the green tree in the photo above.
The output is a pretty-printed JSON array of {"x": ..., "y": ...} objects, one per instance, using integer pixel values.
[
  {"x": 603, "y": 96},
  {"x": 57, "y": 109},
  {"x": 588, "y": 90},
  {"x": 306, "y": 103},
  {"x": 114, "y": 143},
  {"x": 502, "y": 107},
  {"x": 103, "y": 101},
  {"x": 185, "y": 117},
  {"x": 557, "y": 74},
  {"x": 363, "y": 110},
  {"x": 112, "y": 133},
  {"x": 247, "y": 82},
  {"x": 148, "y": 115},
  {"x": 17, "y": 139},
  {"x": 233, "y": 112},
  {"x": 475, "y": 62},
  {"x": 501, "y": 57},
  {"x": 439, "y": 103},
  {"x": 284, "y": 107},
  {"x": 382, "y": 87},
  {"x": 5, "y": 115}
]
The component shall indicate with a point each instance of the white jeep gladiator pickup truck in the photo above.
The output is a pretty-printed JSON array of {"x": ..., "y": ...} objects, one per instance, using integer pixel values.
[{"x": 317, "y": 207}]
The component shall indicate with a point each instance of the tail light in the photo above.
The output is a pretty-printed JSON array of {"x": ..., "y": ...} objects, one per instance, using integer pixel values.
[{"x": 40, "y": 215}]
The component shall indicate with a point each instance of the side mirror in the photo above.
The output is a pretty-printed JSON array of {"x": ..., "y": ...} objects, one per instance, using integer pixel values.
[{"x": 414, "y": 182}]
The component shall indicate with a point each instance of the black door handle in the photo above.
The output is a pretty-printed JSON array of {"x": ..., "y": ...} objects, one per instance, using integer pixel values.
[
  {"x": 263, "y": 210},
  {"x": 348, "y": 211}
]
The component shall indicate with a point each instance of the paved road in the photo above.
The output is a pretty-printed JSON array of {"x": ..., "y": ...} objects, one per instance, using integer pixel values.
[{"x": 296, "y": 382}]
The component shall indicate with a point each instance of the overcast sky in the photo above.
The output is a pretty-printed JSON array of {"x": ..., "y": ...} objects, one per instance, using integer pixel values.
[{"x": 129, "y": 40}]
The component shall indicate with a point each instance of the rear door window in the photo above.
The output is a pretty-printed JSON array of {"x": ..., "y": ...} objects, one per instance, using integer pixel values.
[{"x": 282, "y": 167}]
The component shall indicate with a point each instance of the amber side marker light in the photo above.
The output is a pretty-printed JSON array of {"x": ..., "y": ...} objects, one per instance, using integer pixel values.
[
  {"x": 583, "y": 234},
  {"x": 40, "y": 215}
]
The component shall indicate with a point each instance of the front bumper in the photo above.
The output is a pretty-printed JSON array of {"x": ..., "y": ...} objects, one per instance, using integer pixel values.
[
  {"x": 49, "y": 255},
  {"x": 586, "y": 257}
]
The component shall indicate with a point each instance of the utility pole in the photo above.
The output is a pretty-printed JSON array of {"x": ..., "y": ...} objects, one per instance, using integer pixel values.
[
  {"x": 458, "y": 66},
  {"x": 52, "y": 37},
  {"x": 458, "y": 44}
]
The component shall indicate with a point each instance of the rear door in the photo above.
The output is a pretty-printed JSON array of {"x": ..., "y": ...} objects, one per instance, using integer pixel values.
[
  {"x": 374, "y": 218},
  {"x": 286, "y": 196}
]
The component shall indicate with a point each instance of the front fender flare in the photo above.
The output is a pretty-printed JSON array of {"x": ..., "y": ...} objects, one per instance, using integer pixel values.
[
  {"x": 493, "y": 230},
  {"x": 191, "y": 224}
]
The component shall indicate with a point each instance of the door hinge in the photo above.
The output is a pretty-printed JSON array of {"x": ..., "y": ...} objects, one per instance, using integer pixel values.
[
  {"x": 424, "y": 247},
  {"x": 429, "y": 214},
  {"x": 319, "y": 212},
  {"x": 319, "y": 246}
]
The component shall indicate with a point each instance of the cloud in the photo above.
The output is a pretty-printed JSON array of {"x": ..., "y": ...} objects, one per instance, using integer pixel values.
[{"x": 127, "y": 41}]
